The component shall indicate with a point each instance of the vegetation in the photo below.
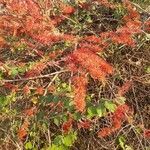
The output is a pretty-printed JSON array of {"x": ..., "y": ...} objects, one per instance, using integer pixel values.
[{"x": 74, "y": 75}]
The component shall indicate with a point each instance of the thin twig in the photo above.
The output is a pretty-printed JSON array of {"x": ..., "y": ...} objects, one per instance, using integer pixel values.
[
  {"x": 138, "y": 6},
  {"x": 50, "y": 84},
  {"x": 37, "y": 77}
]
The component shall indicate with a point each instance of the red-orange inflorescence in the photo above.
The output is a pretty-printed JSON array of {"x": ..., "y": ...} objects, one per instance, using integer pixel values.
[
  {"x": 26, "y": 90},
  {"x": 147, "y": 133},
  {"x": 25, "y": 18},
  {"x": 66, "y": 127},
  {"x": 96, "y": 66},
  {"x": 105, "y": 3},
  {"x": 117, "y": 118},
  {"x": 34, "y": 8},
  {"x": 79, "y": 87},
  {"x": 12, "y": 87},
  {"x": 22, "y": 132},
  {"x": 36, "y": 70},
  {"x": 124, "y": 88},
  {"x": 147, "y": 26},
  {"x": 86, "y": 124},
  {"x": 67, "y": 9},
  {"x": 40, "y": 90}
]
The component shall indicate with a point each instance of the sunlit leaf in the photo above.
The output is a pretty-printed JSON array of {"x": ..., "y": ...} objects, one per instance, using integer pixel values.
[{"x": 110, "y": 106}]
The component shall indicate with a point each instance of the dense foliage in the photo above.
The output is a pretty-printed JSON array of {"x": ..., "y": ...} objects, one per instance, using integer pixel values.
[{"x": 51, "y": 54}]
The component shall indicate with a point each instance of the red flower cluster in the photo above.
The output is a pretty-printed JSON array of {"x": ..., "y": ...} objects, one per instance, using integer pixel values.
[
  {"x": 118, "y": 117},
  {"x": 106, "y": 3},
  {"x": 30, "y": 112},
  {"x": 36, "y": 69},
  {"x": 67, "y": 9},
  {"x": 96, "y": 66},
  {"x": 34, "y": 8},
  {"x": 133, "y": 25},
  {"x": 11, "y": 87},
  {"x": 86, "y": 124},
  {"x": 30, "y": 21},
  {"x": 79, "y": 87},
  {"x": 26, "y": 90},
  {"x": 40, "y": 90},
  {"x": 147, "y": 133},
  {"x": 125, "y": 87},
  {"x": 66, "y": 127},
  {"x": 22, "y": 132},
  {"x": 147, "y": 26}
]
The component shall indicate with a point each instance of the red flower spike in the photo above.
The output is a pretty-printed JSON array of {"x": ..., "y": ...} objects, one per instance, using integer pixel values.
[
  {"x": 2, "y": 42},
  {"x": 117, "y": 118},
  {"x": 34, "y": 9},
  {"x": 11, "y": 87},
  {"x": 26, "y": 90},
  {"x": 92, "y": 39},
  {"x": 147, "y": 133},
  {"x": 92, "y": 47},
  {"x": 51, "y": 89},
  {"x": 30, "y": 112},
  {"x": 147, "y": 26},
  {"x": 22, "y": 132},
  {"x": 106, "y": 3},
  {"x": 86, "y": 124},
  {"x": 67, "y": 9},
  {"x": 125, "y": 88},
  {"x": 40, "y": 90},
  {"x": 18, "y": 7},
  {"x": 66, "y": 127},
  {"x": 84, "y": 5},
  {"x": 96, "y": 66},
  {"x": 36, "y": 70},
  {"x": 79, "y": 87},
  {"x": 104, "y": 132}
]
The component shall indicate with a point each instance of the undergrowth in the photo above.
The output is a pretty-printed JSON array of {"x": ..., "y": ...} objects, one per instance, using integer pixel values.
[{"x": 74, "y": 75}]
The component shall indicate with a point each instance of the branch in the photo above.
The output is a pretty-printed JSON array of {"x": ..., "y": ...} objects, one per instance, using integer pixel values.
[{"x": 37, "y": 77}]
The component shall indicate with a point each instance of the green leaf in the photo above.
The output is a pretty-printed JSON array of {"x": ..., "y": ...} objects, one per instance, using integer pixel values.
[
  {"x": 128, "y": 147},
  {"x": 110, "y": 106},
  {"x": 122, "y": 141},
  {"x": 67, "y": 141},
  {"x": 40, "y": 115},
  {"x": 120, "y": 100},
  {"x": 28, "y": 145},
  {"x": 77, "y": 116},
  {"x": 55, "y": 147},
  {"x": 64, "y": 85},
  {"x": 3, "y": 101},
  {"x": 56, "y": 99},
  {"x": 64, "y": 117},
  {"x": 52, "y": 147},
  {"x": 14, "y": 71},
  {"x": 66, "y": 103},
  {"x": 147, "y": 70},
  {"x": 1, "y": 75},
  {"x": 48, "y": 98},
  {"x": 138, "y": 130},
  {"x": 101, "y": 110},
  {"x": 57, "y": 121},
  {"x": 22, "y": 70},
  {"x": 91, "y": 111},
  {"x": 58, "y": 140}
]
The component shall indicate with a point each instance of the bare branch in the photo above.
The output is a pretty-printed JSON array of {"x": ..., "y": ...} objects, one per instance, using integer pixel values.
[{"x": 36, "y": 77}]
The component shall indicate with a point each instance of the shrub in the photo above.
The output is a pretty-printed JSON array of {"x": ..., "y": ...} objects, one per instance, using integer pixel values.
[{"x": 51, "y": 66}]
